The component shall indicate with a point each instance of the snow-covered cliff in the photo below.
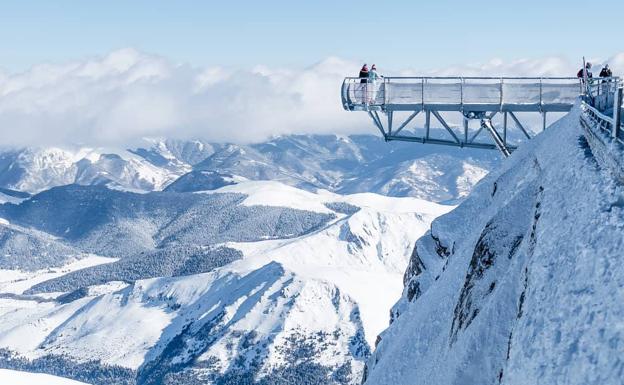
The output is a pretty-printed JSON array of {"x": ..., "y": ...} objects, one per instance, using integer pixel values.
[{"x": 523, "y": 283}]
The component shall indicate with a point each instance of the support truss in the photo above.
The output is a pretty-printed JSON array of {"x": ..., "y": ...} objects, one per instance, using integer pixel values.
[{"x": 454, "y": 136}]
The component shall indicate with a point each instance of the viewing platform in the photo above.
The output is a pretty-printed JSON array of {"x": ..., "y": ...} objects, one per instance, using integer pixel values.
[
  {"x": 461, "y": 94},
  {"x": 476, "y": 98}
]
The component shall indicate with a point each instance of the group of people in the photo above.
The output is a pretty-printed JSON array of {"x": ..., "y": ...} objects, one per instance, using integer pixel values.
[
  {"x": 370, "y": 80},
  {"x": 586, "y": 72},
  {"x": 369, "y": 76}
]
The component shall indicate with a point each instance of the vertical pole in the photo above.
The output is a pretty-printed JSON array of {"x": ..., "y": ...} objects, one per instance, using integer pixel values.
[
  {"x": 617, "y": 112},
  {"x": 505, "y": 128},
  {"x": 501, "y": 93},
  {"x": 544, "y": 121},
  {"x": 422, "y": 92},
  {"x": 461, "y": 92},
  {"x": 465, "y": 130},
  {"x": 541, "y": 100},
  {"x": 385, "y": 91},
  {"x": 427, "y": 123},
  {"x": 389, "y": 113}
]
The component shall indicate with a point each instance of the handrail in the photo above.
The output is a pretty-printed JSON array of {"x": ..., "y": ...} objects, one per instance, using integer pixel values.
[
  {"x": 604, "y": 97},
  {"x": 475, "y": 77},
  {"x": 544, "y": 93},
  {"x": 598, "y": 114}
]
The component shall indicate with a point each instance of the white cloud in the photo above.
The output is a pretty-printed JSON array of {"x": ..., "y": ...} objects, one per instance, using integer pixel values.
[{"x": 127, "y": 95}]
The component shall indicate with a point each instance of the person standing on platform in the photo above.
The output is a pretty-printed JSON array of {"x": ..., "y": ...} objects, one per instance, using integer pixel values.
[{"x": 373, "y": 80}]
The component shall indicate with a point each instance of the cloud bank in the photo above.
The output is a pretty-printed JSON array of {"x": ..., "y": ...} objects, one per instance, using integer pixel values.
[{"x": 128, "y": 95}]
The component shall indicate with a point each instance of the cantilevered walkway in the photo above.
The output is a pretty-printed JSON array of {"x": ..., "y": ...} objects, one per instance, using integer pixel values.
[{"x": 476, "y": 98}]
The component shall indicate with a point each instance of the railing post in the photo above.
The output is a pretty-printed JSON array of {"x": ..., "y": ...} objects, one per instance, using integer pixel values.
[
  {"x": 617, "y": 112},
  {"x": 385, "y": 91},
  {"x": 501, "y": 93},
  {"x": 422, "y": 92},
  {"x": 461, "y": 91}
]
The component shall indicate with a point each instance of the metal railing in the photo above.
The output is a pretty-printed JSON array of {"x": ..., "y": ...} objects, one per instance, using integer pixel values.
[
  {"x": 364, "y": 92},
  {"x": 601, "y": 119},
  {"x": 602, "y": 92},
  {"x": 397, "y": 91},
  {"x": 603, "y": 122},
  {"x": 601, "y": 108}
]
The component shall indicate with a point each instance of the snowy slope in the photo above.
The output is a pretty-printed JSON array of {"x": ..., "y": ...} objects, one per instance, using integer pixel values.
[
  {"x": 29, "y": 249},
  {"x": 12, "y": 196},
  {"x": 307, "y": 307},
  {"x": 12, "y": 377},
  {"x": 522, "y": 283}
]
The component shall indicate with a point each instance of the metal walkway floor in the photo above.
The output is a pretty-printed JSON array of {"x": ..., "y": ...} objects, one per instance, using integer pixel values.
[{"x": 476, "y": 98}]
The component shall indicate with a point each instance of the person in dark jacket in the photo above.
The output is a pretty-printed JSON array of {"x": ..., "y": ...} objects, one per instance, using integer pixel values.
[
  {"x": 362, "y": 89},
  {"x": 364, "y": 73},
  {"x": 582, "y": 71},
  {"x": 606, "y": 72}
]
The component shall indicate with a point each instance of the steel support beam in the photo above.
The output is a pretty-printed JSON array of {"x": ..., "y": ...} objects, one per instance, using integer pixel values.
[
  {"x": 377, "y": 123},
  {"x": 417, "y": 139},
  {"x": 520, "y": 126},
  {"x": 406, "y": 122},
  {"x": 487, "y": 123},
  {"x": 505, "y": 127},
  {"x": 476, "y": 134},
  {"x": 427, "y": 123},
  {"x": 450, "y": 131}
]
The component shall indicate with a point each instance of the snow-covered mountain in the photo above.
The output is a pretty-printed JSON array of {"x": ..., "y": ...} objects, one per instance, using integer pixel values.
[
  {"x": 359, "y": 163},
  {"x": 520, "y": 284},
  {"x": 255, "y": 281},
  {"x": 37, "y": 169},
  {"x": 186, "y": 262}
]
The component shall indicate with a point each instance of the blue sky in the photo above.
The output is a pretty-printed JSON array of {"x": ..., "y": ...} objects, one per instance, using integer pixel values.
[{"x": 242, "y": 34}]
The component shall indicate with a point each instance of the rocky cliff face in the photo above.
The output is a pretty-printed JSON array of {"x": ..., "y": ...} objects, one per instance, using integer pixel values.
[{"x": 522, "y": 283}]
